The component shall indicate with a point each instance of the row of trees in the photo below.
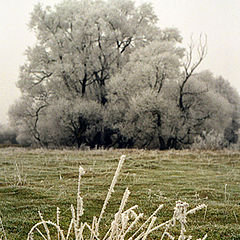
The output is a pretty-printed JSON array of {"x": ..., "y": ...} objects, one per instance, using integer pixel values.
[{"x": 102, "y": 73}]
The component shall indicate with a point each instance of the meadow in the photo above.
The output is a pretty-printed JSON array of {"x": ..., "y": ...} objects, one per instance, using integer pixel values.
[{"x": 42, "y": 180}]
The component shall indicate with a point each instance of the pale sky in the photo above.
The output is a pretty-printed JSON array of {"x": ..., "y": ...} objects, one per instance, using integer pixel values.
[{"x": 218, "y": 19}]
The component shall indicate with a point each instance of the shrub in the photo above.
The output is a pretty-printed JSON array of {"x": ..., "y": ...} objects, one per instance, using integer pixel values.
[{"x": 208, "y": 141}]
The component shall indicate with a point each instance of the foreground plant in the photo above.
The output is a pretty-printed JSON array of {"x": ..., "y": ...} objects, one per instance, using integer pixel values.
[{"x": 125, "y": 225}]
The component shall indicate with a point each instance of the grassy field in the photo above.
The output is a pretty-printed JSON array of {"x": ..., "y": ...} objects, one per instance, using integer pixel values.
[{"x": 32, "y": 180}]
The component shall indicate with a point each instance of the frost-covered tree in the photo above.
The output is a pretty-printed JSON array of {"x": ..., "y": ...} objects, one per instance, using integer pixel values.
[
  {"x": 136, "y": 93},
  {"x": 80, "y": 45},
  {"x": 102, "y": 73},
  {"x": 158, "y": 101}
]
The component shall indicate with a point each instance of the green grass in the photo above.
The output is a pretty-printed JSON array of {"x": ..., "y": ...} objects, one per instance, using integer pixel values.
[{"x": 48, "y": 179}]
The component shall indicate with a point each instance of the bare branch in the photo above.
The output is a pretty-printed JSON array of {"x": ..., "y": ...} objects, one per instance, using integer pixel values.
[{"x": 190, "y": 66}]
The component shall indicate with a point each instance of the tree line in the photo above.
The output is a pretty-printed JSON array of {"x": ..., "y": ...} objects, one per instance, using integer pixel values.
[{"x": 102, "y": 73}]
